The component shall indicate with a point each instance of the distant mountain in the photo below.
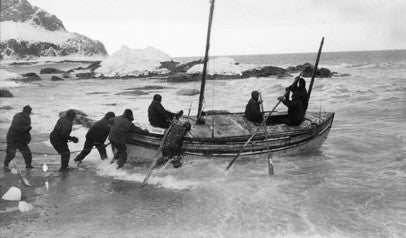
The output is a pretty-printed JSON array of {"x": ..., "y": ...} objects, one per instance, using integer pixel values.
[{"x": 30, "y": 33}]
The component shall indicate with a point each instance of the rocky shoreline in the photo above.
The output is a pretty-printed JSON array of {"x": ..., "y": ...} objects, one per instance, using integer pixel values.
[{"x": 178, "y": 72}]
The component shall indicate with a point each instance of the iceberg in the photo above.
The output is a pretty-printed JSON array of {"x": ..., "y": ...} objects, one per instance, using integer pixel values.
[{"x": 133, "y": 62}]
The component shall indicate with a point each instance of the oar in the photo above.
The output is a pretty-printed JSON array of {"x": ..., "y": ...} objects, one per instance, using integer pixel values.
[
  {"x": 22, "y": 178},
  {"x": 152, "y": 167},
  {"x": 259, "y": 127},
  {"x": 270, "y": 163}
]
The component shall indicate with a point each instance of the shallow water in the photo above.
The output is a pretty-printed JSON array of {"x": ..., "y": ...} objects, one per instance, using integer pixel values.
[{"x": 355, "y": 186}]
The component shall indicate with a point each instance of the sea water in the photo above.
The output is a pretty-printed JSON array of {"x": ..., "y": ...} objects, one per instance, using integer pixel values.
[{"x": 354, "y": 186}]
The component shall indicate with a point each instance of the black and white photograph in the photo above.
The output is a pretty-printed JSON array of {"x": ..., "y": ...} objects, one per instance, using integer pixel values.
[{"x": 203, "y": 118}]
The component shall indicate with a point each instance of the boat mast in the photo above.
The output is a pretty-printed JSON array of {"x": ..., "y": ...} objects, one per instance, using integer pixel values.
[
  {"x": 315, "y": 69},
  {"x": 206, "y": 58}
]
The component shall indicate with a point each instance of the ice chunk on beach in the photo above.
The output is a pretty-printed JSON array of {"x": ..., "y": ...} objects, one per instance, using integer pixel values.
[
  {"x": 6, "y": 77},
  {"x": 13, "y": 194},
  {"x": 24, "y": 206},
  {"x": 45, "y": 168},
  {"x": 133, "y": 62},
  {"x": 222, "y": 66}
]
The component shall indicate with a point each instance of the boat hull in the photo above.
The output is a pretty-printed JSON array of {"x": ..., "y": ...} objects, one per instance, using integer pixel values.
[{"x": 282, "y": 141}]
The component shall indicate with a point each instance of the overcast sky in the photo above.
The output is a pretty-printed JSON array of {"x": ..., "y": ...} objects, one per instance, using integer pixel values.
[{"x": 178, "y": 27}]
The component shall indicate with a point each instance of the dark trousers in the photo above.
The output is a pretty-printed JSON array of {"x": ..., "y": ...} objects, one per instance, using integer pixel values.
[
  {"x": 121, "y": 152},
  {"x": 89, "y": 143},
  {"x": 62, "y": 149},
  {"x": 12, "y": 149}
]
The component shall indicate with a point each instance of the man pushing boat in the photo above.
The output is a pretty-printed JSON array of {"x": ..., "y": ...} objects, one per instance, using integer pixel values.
[{"x": 120, "y": 133}]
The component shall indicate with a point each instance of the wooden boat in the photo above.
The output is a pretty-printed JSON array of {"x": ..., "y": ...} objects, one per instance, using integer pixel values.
[
  {"x": 227, "y": 137},
  {"x": 225, "y": 134}
]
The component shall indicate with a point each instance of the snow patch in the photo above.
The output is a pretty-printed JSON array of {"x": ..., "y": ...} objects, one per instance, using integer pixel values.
[
  {"x": 24, "y": 31},
  {"x": 133, "y": 62},
  {"x": 222, "y": 66}
]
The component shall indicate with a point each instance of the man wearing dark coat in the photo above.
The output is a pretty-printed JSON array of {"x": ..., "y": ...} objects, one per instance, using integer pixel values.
[
  {"x": 18, "y": 137},
  {"x": 158, "y": 116},
  {"x": 296, "y": 112},
  {"x": 120, "y": 133},
  {"x": 252, "y": 110},
  {"x": 61, "y": 135},
  {"x": 300, "y": 92},
  {"x": 172, "y": 147},
  {"x": 96, "y": 136}
]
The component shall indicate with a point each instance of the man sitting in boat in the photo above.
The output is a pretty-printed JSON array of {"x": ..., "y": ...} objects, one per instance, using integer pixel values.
[
  {"x": 300, "y": 92},
  {"x": 120, "y": 133},
  {"x": 296, "y": 112},
  {"x": 252, "y": 110},
  {"x": 158, "y": 116}
]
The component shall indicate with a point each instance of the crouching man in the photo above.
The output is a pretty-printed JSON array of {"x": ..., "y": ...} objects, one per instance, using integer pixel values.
[
  {"x": 120, "y": 133},
  {"x": 172, "y": 146}
]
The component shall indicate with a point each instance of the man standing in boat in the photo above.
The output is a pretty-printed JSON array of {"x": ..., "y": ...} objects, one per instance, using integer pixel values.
[
  {"x": 96, "y": 136},
  {"x": 120, "y": 133},
  {"x": 158, "y": 116},
  {"x": 296, "y": 112},
  {"x": 252, "y": 110},
  {"x": 18, "y": 137},
  {"x": 300, "y": 92}
]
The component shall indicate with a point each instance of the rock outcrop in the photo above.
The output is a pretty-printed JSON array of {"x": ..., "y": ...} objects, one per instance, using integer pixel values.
[
  {"x": 80, "y": 119},
  {"x": 307, "y": 71},
  {"x": 29, "y": 77},
  {"x": 51, "y": 71},
  {"x": 56, "y": 78},
  {"x": 4, "y": 93}
]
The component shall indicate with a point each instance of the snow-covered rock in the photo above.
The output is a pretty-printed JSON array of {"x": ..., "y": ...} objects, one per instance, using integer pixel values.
[
  {"x": 6, "y": 78},
  {"x": 222, "y": 66},
  {"x": 30, "y": 33},
  {"x": 13, "y": 194},
  {"x": 133, "y": 62},
  {"x": 6, "y": 75},
  {"x": 24, "y": 206}
]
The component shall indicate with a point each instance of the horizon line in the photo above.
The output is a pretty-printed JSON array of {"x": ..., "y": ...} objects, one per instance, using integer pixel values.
[{"x": 346, "y": 51}]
